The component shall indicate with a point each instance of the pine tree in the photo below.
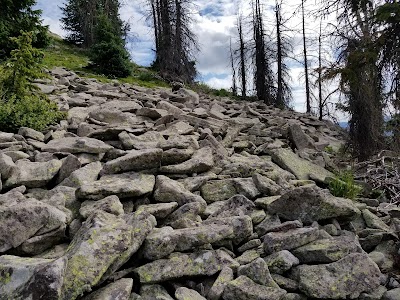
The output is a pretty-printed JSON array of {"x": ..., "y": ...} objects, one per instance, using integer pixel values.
[{"x": 16, "y": 16}]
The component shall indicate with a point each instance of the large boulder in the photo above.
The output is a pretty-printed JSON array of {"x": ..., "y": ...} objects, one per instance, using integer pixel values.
[
  {"x": 345, "y": 279},
  {"x": 77, "y": 145},
  {"x": 309, "y": 203}
]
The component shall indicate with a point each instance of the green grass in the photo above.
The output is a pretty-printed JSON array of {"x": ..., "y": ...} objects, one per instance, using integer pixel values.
[
  {"x": 343, "y": 185},
  {"x": 63, "y": 54}
]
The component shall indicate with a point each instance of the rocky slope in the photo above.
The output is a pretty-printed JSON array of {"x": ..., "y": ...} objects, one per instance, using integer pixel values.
[{"x": 153, "y": 194}]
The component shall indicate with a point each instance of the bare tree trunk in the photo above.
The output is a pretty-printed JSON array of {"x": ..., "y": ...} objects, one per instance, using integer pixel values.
[
  {"x": 242, "y": 57},
  {"x": 320, "y": 100},
  {"x": 234, "y": 87},
  {"x": 279, "y": 94},
  {"x": 308, "y": 99}
]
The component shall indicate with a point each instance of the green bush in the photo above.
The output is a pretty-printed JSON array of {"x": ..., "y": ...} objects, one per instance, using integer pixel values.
[
  {"x": 343, "y": 185},
  {"x": 21, "y": 102}
]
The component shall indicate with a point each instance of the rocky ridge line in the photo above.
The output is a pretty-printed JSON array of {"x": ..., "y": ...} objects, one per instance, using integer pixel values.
[{"x": 152, "y": 194}]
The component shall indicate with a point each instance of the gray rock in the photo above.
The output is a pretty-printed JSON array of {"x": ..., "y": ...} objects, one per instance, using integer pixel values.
[
  {"x": 183, "y": 293},
  {"x": 392, "y": 295},
  {"x": 32, "y": 174},
  {"x": 110, "y": 204},
  {"x": 86, "y": 174},
  {"x": 288, "y": 240},
  {"x": 122, "y": 185},
  {"x": 346, "y": 278},
  {"x": 69, "y": 164},
  {"x": 242, "y": 226},
  {"x": 374, "y": 221},
  {"x": 327, "y": 250},
  {"x": 101, "y": 246},
  {"x": 301, "y": 168},
  {"x": 6, "y": 166},
  {"x": 135, "y": 160},
  {"x": 299, "y": 139},
  {"x": 243, "y": 288},
  {"x": 309, "y": 203},
  {"x": 266, "y": 186},
  {"x": 258, "y": 271},
  {"x": 154, "y": 292},
  {"x": 236, "y": 206},
  {"x": 160, "y": 210},
  {"x": 225, "y": 276},
  {"x": 169, "y": 190},
  {"x": 202, "y": 263},
  {"x": 176, "y": 156},
  {"x": 218, "y": 190},
  {"x": 121, "y": 105},
  {"x": 31, "y": 133},
  {"x": 246, "y": 187},
  {"x": 189, "y": 211},
  {"x": 118, "y": 290},
  {"x": 77, "y": 145},
  {"x": 152, "y": 113},
  {"x": 148, "y": 140},
  {"x": 31, "y": 278},
  {"x": 282, "y": 261},
  {"x": 201, "y": 161}
]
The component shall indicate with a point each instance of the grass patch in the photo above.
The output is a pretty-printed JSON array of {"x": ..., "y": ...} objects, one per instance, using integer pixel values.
[{"x": 343, "y": 185}]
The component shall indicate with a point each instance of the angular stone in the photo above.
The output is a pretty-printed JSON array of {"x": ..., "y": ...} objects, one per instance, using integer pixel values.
[
  {"x": 86, "y": 174},
  {"x": 225, "y": 276},
  {"x": 176, "y": 156},
  {"x": 301, "y": 168},
  {"x": 154, "y": 292},
  {"x": 374, "y": 221},
  {"x": 160, "y": 210},
  {"x": 77, "y": 145},
  {"x": 266, "y": 186},
  {"x": 178, "y": 128},
  {"x": 243, "y": 288},
  {"x": 121, "y": 105},
  {"x": 152, "y": 113},
  {"x": 122, "y": 185},
  {"x": 110, "y": 204},
  {"x": 269, "y": 222},
  {"x": 183, "y": 293},
  {"x": 309, "y": 203},
  {"x": 299, "y": 139},
  {"x": 101, "y": 246},
  {"x": 242, "y": 226},
  {"x": 392, "y": 295},
  {"x": 118, "y": 290},
  {"x": 6, "y": 166},
  {"x": 148, "y": 140},
  {"x": 69, "y": 164},
  {"x": 236, "y": 206},
  {"x": 135, "y": 160},
  {"x": 31, "y": 278},
  {"x": 32, "y": 174},
  {"x": 178, "y": 265},
  {"x": 189, "y": 211},
  {"x": 31, "y": 133},
  {"x": 258, "y": 271},
  {"x": 246, "y": 187},
  {"x": 169, "y": 190},
  {"x": 201, "y": 161},
  {"x": 218, "y": 190},
  {"x": 288, "y": 240},
  {"x": 346, "y": 278},
  {"x": 327, "y": 250},
  {"x": 282, "y": 261}
]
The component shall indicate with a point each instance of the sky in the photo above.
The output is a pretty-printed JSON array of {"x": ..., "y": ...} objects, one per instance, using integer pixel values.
[{"x": 215, "y": 26}]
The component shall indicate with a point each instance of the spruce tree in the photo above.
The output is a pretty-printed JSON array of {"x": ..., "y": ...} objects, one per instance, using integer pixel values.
[{"x": 16, "y": 16}]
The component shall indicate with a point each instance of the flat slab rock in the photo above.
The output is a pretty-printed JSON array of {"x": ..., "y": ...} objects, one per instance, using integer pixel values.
[
  {"x": 76, "y": 145},
  {"x": 346, "y": 278},
  {"x": 178, "y": 265}
]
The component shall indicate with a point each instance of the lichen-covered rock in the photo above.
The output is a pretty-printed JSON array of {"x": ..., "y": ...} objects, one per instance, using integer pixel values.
[
  {"x": 282, "y": 261},
  {"x": 237, "y": 205},
  {"x": 110, "y": 204},
  {"x": 159, "y": 210},
  {"x": 122, "y": 185},
  {"x": 154, "y": 292},
  {"x": 118, "y": 290},
  {"x": 309, "y": 203},
  {"x": 77, "y": 145},
  {"x": 178, "y": 265},
  {"x": 243, "y": 288},
  {"x": 225, "y": 276},
  {"x": 327, "y": 250},
  {"x": 242, "y": 226},
  {"x": 258, "y": 271},
  {"x": 148, "y": 140},
  {"x": 135, "y": 160},
  {"x": 169, "y": 190},
  {"x": 86, "y": 174},
  {"x": 183, "y": 293},
  {"x": 218, "y": 190},
  {"x": 31, "y": 278},
  {"x": 343, "y": 279},
  {"x": 102, "y": 245},
  {"x": 201, "y": 161},
  {"x": 32, "y": 174},
  {"x": 288, "y": 240}
]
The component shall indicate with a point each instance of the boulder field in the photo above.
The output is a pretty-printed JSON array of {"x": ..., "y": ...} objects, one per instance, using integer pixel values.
[{"x": 152, "y": 194}]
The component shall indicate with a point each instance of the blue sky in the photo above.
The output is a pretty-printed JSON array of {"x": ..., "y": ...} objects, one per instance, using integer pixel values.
[{"x": 214, "y": 25}]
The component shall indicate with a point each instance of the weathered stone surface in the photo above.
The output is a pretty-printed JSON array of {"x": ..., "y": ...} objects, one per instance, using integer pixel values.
[
  {"x": 201, "y": 161},
  {"x": 135, "y": 160},
  {"x": 169, "y": 190},
  {"x": 299, "y": 139},
  {"x": 148, "y": 140},
  {"x": 374, "y": 221},
  {"x": 122, "y": 185},
  {"x": 185, "y": 294},
  {"x": 346, "y": 278},
  {"x": 301, "y": 168},
  {"x": 159, "y": 210},
  {"x": 119, "y": 290},
  {"x": 218, "y": 190},
  {"x": 287, "y": 240},
  {"x": 309, "y": 203},
  {"x": 6, "y": 166},
  {"x": 202, "y": 263},
  {"x": 243, "y": 288},
  {"x": 392, "y": 295},
  {"x": 32, "y": 174},
  {"x": 102, "y": 245},
  {"x": 31, "y": 278},
  {"x": 236, "y": 206},
  {"x": 110, "y": 204},
  {"x": 258, "y": 271},
  {"x": 242, "y": 226},
  {"x": 154, "y": 292},
  {"x": 225, "y": 276},
  {"x": 282, "y": 261},
  {"x": 86, "y": 174},
  {"x": 327, "y": 250},
  {"x": 77, "y": 145},
  {"x": 266, "y": 186}
]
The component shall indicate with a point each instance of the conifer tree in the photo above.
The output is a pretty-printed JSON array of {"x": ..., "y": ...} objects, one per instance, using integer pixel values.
[{"x": 16, "y": 16}]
